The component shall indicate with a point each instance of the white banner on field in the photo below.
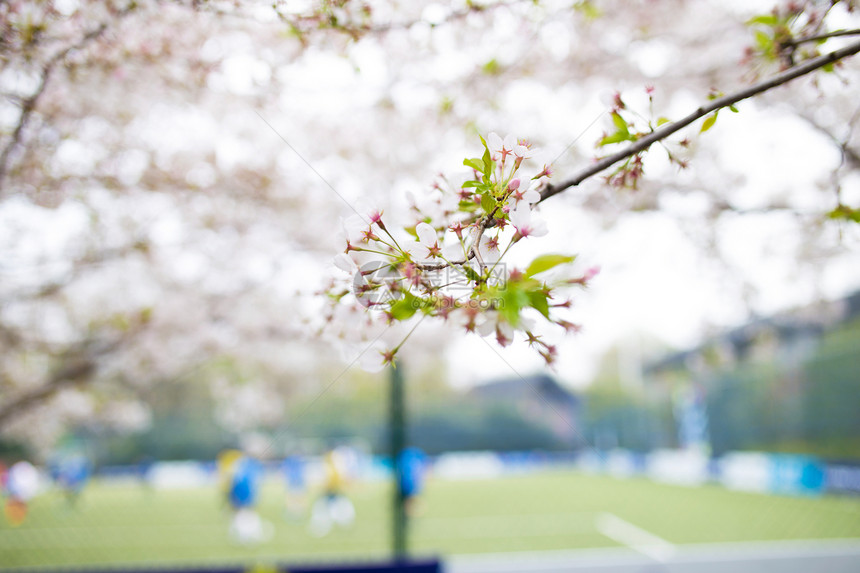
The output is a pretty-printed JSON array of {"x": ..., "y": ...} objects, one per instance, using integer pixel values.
[
  {"x": 746, "y": 471},
  {"x": 468, "y": 465},
  {"x": 173, "y": 475},
  {"x": 679, "y": 467}
]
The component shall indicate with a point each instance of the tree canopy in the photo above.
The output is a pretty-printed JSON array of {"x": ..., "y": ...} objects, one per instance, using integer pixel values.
[{"x": 173, "y": 175}]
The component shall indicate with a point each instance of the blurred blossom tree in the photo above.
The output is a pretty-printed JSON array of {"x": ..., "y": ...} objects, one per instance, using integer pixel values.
[{"x": 171, "y": 174}]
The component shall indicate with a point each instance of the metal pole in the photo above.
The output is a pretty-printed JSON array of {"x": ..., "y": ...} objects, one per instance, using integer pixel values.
[{"x": 397, "y": 432}]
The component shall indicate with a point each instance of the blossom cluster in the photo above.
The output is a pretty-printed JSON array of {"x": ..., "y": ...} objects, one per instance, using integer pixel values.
[
  {"x": 628, "y": 126},
  {"x": 449, "y": 264}
]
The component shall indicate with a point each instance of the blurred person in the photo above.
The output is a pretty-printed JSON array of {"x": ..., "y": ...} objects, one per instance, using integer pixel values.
[
  {"x": 4, "y": 475},
  {"x": 22, "y": 483},
  {"x": 246, "y": 527},
  {"x": 410, "y": 480},
  {"x": 144, "y": 472},
  {"x": 296, "y": 482},
  {"x": 71, "y": 474},
  {"x": 225, "y": 465},
  {"x": 333, "y": 507}
]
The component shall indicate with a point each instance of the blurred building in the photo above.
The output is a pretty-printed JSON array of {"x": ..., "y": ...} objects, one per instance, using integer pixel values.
[
  {"x": 787, "y": 382},
  {"x": 540, "y": 399}
]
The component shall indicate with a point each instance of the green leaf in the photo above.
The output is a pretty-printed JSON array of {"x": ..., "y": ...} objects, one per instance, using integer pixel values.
[
  {"x": 764, "y": 19},
  {"x": 492, "y": 67},
  {"x": 479, "y": 186},
  {"x": 587, "y": 9},
  {"x": 405, "y": 308},
  {"x": 487, "y": 203},
  {"x": 488, "y": 165},
  {"x": 845, "y": 212},
  {"x": 733, "y": 109},
  {"x": 663, "y": 121},
  {"x": 617, "y": 137},
  {"x": 486, "y": 160},
  {"x": 765, "y": 42},
  {"x": 446, "y": 105},
  {"x": 475, "y": 164},
  {"x": 537, "y": 300},
  {"x": 546, "y": 262},
  {"x": 619, "y": 122},
  {"x": 708, "y": 123},
  {"x": 471, "y": 273},
  {"x": 622, "y": 133},
  {"x": 513, "y": 301}
]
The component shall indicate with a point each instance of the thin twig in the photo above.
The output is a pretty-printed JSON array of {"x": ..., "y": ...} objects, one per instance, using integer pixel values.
[
  {"x": 78, "y": 366},
  {"x": 825, "y": 36},
  {"x": 29, "y": 104},
  {"x": 719, "y": 103}
]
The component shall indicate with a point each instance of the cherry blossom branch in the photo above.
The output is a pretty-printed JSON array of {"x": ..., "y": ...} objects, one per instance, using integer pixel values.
[
  {"x": 717, "y": 104},
  {"x": 29, "y": 104},
  {"x": 826, "y": 36},
  {"x": 79, "y": 365},
  {"x": 850, "y": 156},
  {"x": 440, "y": 266},
  {"x": 73, "y": 372},
  {"x": 453, "y": 16},
  {"x": 51, "y": 287},
  {"x": 481, "y": 225}
]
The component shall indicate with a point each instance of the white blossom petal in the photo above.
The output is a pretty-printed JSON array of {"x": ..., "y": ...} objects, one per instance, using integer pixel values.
[
  {"x": 531, "y": 196},
  {"x": 487, "y": 326},
  {"x": 494, "y": 142},
  {"x": 353, "y": 227},
  {"x": 506, "y": 329},
  {"x": 418, "y": 251},
  {"x": 453, "y": 252},
  {"x": 521, "y": 216},
  {"x": 345, "y": 263},
  {"x": 426, "y": 234},
  {"x": 489, "y": 249},
  {"x": 538, "y": 228},
  {"x": 372, "y": 359},
  {"x": 525, "y": 152}
]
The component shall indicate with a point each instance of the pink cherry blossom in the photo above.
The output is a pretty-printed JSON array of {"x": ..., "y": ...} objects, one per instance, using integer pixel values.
[
  {"x": 546, "y": 172},
  {"x": 354, "y": 227},
  {"x": 427, "y": 246},
  {"x": 375, "y": 358},
  {"x": 525, "y": 223},
  {"x": 524, "y": 151},
  {"x": 494, "y": 324},
  {"x": 518, "y": 194},
  {"x": 489, "y": 248},
  {"x": 500, "y": 148}
]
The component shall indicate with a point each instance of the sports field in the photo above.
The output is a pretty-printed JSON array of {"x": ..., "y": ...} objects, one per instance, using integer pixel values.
[{"x": 559, "y": 510}]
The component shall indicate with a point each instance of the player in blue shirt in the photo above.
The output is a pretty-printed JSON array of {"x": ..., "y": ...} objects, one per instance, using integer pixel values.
[
  {"x": 242, "y": 492},
  {"x": 411, "y": 479}
]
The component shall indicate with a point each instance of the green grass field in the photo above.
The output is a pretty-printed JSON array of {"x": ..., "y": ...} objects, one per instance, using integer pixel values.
[{"x": 549, "y": 511}]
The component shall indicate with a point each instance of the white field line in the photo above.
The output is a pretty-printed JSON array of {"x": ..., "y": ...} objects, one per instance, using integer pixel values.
[{"x": 634, "y": 537}]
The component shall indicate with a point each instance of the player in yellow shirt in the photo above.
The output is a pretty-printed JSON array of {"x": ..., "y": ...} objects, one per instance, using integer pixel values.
[{"x": 333, "y": 507}]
